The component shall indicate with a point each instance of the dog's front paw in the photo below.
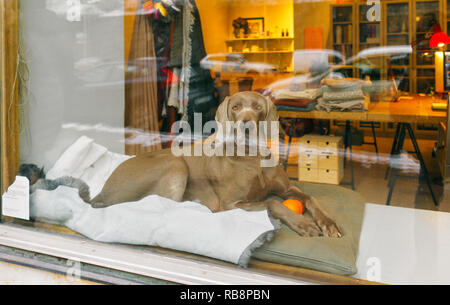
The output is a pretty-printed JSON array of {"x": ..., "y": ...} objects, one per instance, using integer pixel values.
[
  {"x": 304, "y": 226},
  {"x": 329, "y": 226}
]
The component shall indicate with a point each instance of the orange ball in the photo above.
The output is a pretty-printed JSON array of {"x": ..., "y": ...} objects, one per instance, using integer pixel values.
[{"x": 294, "y": 205}]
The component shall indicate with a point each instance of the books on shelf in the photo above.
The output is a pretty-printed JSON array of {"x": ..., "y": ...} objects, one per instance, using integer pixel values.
[
  {"x": 343, "y": 34},
  {"x": 370, "y": 33}
]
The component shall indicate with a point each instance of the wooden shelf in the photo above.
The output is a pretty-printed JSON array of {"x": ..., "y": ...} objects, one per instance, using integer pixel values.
[
  {"x": 369, "y": 22},
  {"x": 342, "y": 22},
  {"x": 264, "y": 52},
  {"x": 341, "y": 66},
  {"x": 259, "y": 38}
]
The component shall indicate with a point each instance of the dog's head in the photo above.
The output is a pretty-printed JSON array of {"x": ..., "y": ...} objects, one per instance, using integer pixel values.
[{"x": 248, "y": 108}]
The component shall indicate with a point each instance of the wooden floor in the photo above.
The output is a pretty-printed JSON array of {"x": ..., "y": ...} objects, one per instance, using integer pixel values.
[{"x": 369, "y": 174}]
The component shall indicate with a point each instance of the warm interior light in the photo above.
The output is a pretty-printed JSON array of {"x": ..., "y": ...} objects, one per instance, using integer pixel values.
[{"x": 439, "y": 38}]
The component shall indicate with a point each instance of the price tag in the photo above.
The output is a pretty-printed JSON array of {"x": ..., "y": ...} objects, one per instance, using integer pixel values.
[{"x": 16, "y": 200}]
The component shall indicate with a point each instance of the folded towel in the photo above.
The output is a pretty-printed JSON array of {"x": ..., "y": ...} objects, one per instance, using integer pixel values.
[
  {"x": 309, "y": 107},
  {"x": 343, "y": 95},
  {"x": 293, "y": 102},
  {"x": 286, "y": 93},
  {"x": 353, "y": 87},
  {"x": 351, "y": 105},
  {"x": 155, "y": 221},
  {"x": 340, "y": 83}
]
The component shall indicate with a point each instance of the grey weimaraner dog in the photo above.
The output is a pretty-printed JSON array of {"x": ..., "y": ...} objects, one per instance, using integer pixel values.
[{"x": 219, "y": 182}]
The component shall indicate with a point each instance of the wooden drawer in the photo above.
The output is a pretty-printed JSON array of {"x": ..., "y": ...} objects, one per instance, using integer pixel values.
[
  {"x": 329, "y": 176},
  {"x": 330, "y": 144},
  {"x": 308, "y": 160},
  {"x": 329, "y": 161},
  {"x": 307, "y": 174},
  {"x": 307, "y": 146}
]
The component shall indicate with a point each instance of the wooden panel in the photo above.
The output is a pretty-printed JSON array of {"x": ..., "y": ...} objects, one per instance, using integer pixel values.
[
  {"x": 10, "y": 92},
  {"x": 130, "y": 8}
]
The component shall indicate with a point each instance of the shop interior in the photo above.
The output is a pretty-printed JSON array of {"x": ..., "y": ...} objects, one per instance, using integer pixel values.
[
  {"x": 294, "y": 32},
  {"x": 119, "y": 97}
]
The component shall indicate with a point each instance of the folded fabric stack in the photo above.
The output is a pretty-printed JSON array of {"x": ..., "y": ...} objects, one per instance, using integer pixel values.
[
  {"x": 286, "y": 99},
  {"x": 342, "y": 95}
]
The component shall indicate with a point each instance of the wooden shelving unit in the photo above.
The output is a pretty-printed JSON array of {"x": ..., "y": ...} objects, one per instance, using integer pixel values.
[
  {"x": 402, "y": 22},
  {"x": 427, "y": 13},
  {"x": 343, "y": 37},
  {"x": 277, "y": 51}
]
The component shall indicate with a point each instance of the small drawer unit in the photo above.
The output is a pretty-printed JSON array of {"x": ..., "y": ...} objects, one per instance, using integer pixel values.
[{"x": 321, "y": 159}]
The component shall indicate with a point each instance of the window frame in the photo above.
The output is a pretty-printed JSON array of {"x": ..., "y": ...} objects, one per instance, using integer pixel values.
[{"x": 40, "y": 238}]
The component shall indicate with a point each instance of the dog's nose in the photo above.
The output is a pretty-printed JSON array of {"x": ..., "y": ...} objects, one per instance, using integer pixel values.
[
  {"x": 249, "y": 125},
  {"x": 246, "y": 119}
]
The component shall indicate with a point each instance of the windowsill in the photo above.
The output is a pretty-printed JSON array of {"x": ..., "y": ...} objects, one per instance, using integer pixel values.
[{"x": 135, "y": 260}]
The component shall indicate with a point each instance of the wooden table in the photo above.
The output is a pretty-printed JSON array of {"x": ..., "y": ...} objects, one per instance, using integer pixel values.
[
  {"x": 407, "y": 110},
  {"x": 414, "y": 109}
]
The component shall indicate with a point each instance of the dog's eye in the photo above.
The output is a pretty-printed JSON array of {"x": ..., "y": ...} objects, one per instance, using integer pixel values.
[
  {"x": 235, "y": 107},
  {"x": 258, "y": 107}
]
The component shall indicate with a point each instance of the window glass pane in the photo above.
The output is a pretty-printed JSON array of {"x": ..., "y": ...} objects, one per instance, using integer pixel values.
[{"x": 137, "y": 122}]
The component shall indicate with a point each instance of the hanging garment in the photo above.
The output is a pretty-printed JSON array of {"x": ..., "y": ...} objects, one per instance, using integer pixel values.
[
  {"x": 195, "y": 90},
  {"x": 162, "y": 28},
  {"x": 141, "y": 100}
]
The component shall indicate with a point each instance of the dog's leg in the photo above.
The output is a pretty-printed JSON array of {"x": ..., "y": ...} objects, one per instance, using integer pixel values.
[
  {"x": 328, "y": 225},
  {"x": 171, "y": 185},
  {"x": 169, "y": 182},
  {"x": 303, "y": 225}
]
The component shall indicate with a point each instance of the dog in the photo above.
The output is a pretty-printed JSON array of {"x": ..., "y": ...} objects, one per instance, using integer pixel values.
[{"x": 220, "y": 182}]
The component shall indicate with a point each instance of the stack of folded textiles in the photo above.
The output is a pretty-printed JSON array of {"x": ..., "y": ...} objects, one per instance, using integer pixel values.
[
  {"x": 342, "y": 95},
  {"x": 286, "y": 99}
]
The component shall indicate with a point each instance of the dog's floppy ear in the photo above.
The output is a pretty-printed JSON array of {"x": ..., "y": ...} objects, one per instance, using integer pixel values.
[
  {"x": 221, "y": 119},
  {"x": 222, "y": 111},
  {"x": 271, "y": 116}
]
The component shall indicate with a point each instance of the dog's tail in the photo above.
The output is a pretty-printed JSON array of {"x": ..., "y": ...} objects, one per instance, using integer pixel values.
[
  {"x": 50, "y": 185},
  {"x": 83, "y": 188},
  {"x": 37, "y": 179}
]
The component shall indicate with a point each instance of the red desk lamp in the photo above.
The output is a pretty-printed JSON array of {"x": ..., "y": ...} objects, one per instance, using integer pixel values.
[{"x": 439, "y": 38}]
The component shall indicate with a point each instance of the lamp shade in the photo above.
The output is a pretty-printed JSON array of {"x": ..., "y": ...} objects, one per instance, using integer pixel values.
[{"x": 439, "y": 38}]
